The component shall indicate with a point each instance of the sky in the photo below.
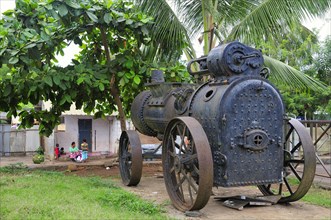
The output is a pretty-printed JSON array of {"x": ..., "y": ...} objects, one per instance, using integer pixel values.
[{"x": 323, "y": 25}]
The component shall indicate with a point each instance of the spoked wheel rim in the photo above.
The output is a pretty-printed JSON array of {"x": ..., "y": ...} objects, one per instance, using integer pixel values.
[
  {"x": 299, "y": 166},
  {"x": 130, "y": 158},
  {"x": 187, "y": 165}
]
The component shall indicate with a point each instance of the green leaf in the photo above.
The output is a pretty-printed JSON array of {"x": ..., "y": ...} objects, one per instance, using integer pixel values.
[
  {"x": 92, "y": 16},
  {"x": 80, "y": 80},
  {"x": 68, "y": 98},
  {"x": 28, "y": 34},
  {"x": 49, "y": 81},
  {"x": 30, "y": 45},
  {"x": 14, "y": 52},
  {"x": 109, "y": 3},
  {"x": 63, "y": 100},
  {"x": 56, "y": 80},
  {"x": 88, "y": 81},
  {"x": 122, "y": 82},
  {"x": 145, "y": 20},
  {"x": 144, "y": 30},
  {"x": 129, "y": 21},
  {"x": 120, "y": 19},
  {"x": 128, "y": 64},
  {"x": 2, "y": 51},
  {"x": 7, "y": 90},
  {"x": 136, "y": 80},
  {"x": 8, "y": 12},
  {"x": 13, "y": 60},
  {"x": 107, "y": 18},
  {"x": 32, "y": 89},
  {"x": 72, "y": 4},
  {"x": 44, "y": 36},
  {"x": 80, "y": 68},
  {"x": 63, "y": 11},
  {"x": 101, "y": 87}
]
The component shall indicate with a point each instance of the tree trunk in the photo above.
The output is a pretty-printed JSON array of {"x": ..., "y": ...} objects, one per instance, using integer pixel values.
[
  {"x": 115, "y": 94},
  {"x": 113, "y": 87}
]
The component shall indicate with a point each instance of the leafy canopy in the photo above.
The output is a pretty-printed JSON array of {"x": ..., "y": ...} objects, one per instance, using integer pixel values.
[
  {"x": 110, "y": 34},
  {"x": 301, "y": 50}
]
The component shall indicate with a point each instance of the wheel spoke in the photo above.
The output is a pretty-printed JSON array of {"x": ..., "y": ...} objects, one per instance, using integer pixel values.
[
  {"x": 288, "y": 186},
  {"x": 179, "y": 187},
  {"x": 289, "y": 133},
  {"x": 195, "y": 169},
  {"x": 295, "y": 172},
  {"x": 190, "y": 189},
  {"x": 296, "y": 147},
  {"x": 191, "y": 183},
  {"x": 181, "y": 139},
  {"x": 187, "y": 159},
  {"x": 180, "y": 182},
  {"x": 301, "y": 161},
  {"x": 171, "y": 153},
  {"x": 280, "y": 188}
]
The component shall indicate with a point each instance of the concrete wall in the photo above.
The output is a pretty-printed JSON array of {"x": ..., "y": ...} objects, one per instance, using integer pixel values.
[
  {"x": 64, "y": 138},
  {"x": 17, "y": 141},
  {"x": 4, "y": 139},
  {"x": 21, "y": 141},
  {"x": 32, "y": 139}
]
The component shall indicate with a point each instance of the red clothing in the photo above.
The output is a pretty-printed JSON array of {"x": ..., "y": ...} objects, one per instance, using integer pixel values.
[{"x": 57, "y": 152}]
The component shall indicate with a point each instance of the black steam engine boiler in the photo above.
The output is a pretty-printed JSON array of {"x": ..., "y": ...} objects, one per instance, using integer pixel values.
[{"x": 230, "y": 131}]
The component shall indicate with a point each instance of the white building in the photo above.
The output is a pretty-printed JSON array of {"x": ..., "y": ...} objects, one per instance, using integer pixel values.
[{"x": 102, "y": 135}]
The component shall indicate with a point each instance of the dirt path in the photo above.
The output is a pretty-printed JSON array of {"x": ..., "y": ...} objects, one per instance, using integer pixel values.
[{"x": 152, "y": 188}]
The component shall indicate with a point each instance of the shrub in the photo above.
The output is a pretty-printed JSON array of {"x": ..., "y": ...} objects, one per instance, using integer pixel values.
[{"x": 38, "y": 158}]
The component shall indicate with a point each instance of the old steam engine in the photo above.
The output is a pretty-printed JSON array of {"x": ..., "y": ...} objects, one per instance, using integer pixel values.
[{"x": 230, "y": 131}]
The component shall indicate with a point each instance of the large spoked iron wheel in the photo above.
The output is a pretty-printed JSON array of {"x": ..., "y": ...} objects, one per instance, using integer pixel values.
[
  {"x": 187, "y": 164},
  {"x": 130, "y": 158},
  {"x": 299, "y": 165}
]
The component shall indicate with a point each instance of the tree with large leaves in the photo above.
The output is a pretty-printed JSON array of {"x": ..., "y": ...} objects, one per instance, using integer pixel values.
[
  {"x": 109, "y": 67},
  {"x": 249, "y": 21}
]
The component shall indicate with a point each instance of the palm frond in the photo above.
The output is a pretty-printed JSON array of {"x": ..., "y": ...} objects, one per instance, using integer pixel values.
[
  {"x": 167, "y": 31},
  {"x": 271, "y": 17},
  {"x": 190, "y": 13},
  {"x": 283, "y": 74}
]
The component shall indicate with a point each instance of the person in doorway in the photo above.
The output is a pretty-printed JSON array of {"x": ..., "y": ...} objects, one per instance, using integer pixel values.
[{"x": 84, "y": 147}]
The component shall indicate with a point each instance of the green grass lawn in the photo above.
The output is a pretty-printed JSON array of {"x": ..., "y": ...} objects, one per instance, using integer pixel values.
[
  {"x": 41, "y": 194},
  {"x": 317, "y": 196},
  {"x": 52, "y": 195}
]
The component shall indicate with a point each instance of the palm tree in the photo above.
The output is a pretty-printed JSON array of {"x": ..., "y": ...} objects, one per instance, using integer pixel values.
[{"x": 249, "y": 21}]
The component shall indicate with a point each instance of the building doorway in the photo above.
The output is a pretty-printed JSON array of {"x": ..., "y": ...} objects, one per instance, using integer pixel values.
[{"x": 85, "y": 132}]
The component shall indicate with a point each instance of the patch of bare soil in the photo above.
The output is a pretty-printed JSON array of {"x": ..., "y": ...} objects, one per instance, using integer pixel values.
[{"x": 152, "y": 187}]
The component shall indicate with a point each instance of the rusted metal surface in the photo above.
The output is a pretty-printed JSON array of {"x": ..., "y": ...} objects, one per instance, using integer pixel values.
[
  {"x": 130, "y": 158},
  {"x": 187, "y": 167},
  {"x": 295, "y": 183}
]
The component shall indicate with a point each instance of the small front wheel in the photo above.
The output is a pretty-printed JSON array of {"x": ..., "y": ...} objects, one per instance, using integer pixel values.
[{"x": 130, "y": 158}]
